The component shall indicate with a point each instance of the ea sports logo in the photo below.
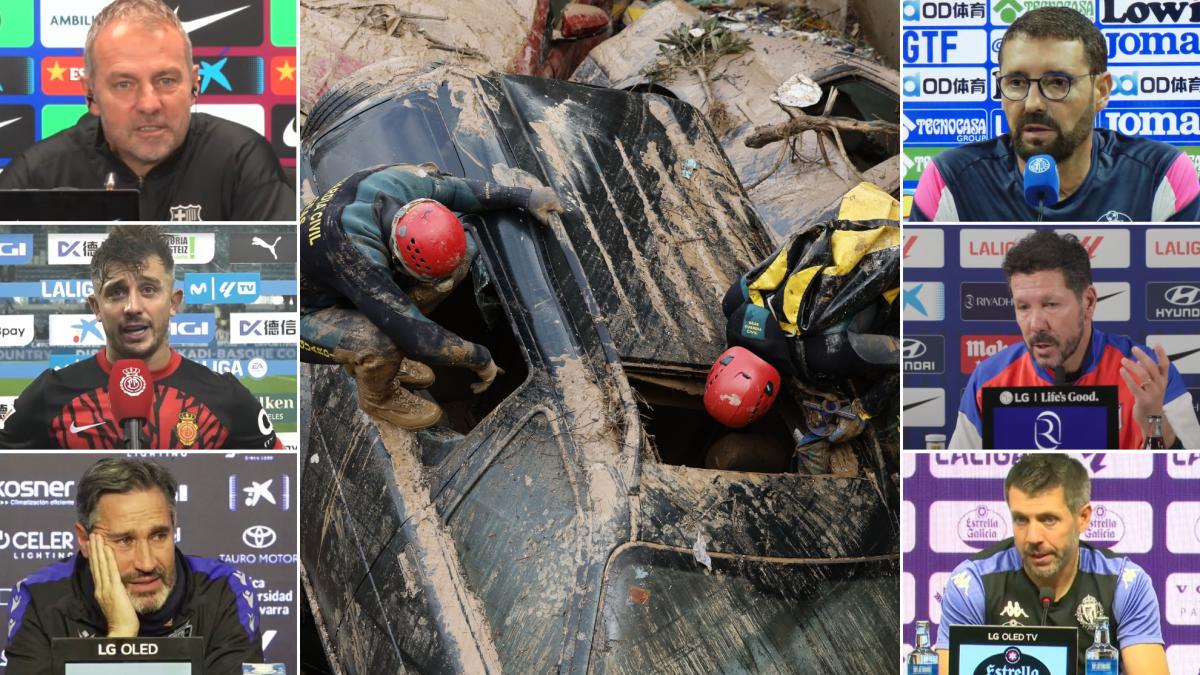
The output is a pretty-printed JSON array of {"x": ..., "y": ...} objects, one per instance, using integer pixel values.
[
  {"x": 1012, "y": 655},
  {"x": 132, "y": 382},
  {"x": 1039, "y": 165}
]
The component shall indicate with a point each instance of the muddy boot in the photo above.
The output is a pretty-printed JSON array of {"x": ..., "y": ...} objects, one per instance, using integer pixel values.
[
  {"x": 400, "y": 407},
  {"x": 378, "y": 395},
  {"x": 413, "y": 374}
]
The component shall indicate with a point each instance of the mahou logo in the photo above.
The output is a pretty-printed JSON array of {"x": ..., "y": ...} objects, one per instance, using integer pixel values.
[
  {"x": 981, "y": 527},
  {"x": 132, "y": 382}
]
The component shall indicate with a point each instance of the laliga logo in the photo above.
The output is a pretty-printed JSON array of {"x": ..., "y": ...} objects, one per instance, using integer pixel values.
[
  {"x": 1047, "y": 433},
  {"x": 1038, "y": 165},
  {"x": 132, "y": 382},
  {"x": 911, "y": 349}
]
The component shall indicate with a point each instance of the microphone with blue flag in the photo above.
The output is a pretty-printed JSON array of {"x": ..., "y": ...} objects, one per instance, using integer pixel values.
[{"x": 1041, "y": 182}]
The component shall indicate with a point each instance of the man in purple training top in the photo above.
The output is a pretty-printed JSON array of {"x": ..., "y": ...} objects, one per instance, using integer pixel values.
[
  {"x": 128, "y": 579},
  {"x": 1049, "y": 497},
  {"x": 1053, "y": 79}
]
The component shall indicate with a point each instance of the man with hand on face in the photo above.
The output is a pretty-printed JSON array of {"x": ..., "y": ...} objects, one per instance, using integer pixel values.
[
  {"x": 128, "y": 579},
  {"x": 1053, "y": 80},
  {"x": 1049, "y": 497},
  {"x": 379, "y": 250},
  {"x": 141, "y": 133},
  {"x": 1050, "y": 277},
  {"x": 134, "y": 297}
]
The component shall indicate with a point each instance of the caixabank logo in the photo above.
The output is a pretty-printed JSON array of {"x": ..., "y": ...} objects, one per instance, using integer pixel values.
[
  {"x": 924, "y": 301},
  {"x": 16, "y": 75}
]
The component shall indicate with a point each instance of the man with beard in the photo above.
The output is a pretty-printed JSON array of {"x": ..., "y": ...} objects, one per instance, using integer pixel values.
[
  {"x": 1050, "y": 278},
  {"x": 140, "y": 132},
  {"x": 1053, "y": 80},
  {"x": 1049, "y": 497},
  {"x": 134, "y": 297},
  {"x": 128, "y": 580}
]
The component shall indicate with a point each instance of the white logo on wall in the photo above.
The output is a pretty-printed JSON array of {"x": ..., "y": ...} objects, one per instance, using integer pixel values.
[
  {"x": 1113, "y": 301},
  {"x": 1100, "y": 465},
  {"x": 259, "y": 491},
  {"x": 72, "y": 249},
  {"x": 923, "y": 248},
  {"x": 1182, "y": 606},
  {"x": 16, "y": 330},
  {"x": 1106, "y": 247},
  {"x": 1183, "y": 527},
  {"x": 263, "y": 327},
  {"x": 924, "y": 407},
  {"x": 966, "y": 527},
  {"x": 192, "y": 248},
  {"x": 1182, "y": 350},
  {"x": 258, "y": 536},
  {"x": 908, "y": 523},
  {"x": 76, "y": 330},
  {"x": 1124, "y": 527},
  {"x": 65, "y": 23},
  {"x": 258, "y": 241},
  {"x": 246, "y": 114},
  {"x": 1184, "y": 465},
  {"x": 986, "y": 248},
  {"x": 1172, "y": 247},
  {"x": 937, "y": 586},
  {"x": 908, "y": 589}
]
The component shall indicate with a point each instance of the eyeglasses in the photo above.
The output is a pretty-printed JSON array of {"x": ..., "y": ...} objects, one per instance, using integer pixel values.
[{"x": 1052, "y": 86}]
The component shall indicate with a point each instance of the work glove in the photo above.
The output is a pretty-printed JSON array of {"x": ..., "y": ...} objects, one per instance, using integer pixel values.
[
  {"x": 487, "y": 375},
  {"x": 542, "y": 202}
]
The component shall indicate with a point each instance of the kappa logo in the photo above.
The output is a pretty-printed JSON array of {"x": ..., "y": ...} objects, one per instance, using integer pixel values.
[
  {"x": 1013, "y": 610},
  {"x": 185, "y": 212},
  {"x": 963, "y": 581},
  {"x": 132, "y": 382},
  {"x": 1128, "y": 576}
]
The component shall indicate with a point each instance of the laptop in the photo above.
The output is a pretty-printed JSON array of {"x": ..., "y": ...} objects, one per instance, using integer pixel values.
[
  {"x": 69, "y": 204},
  {"x": 128, "y": 656},
  {"x": 1020, "y": 649},
  {"x": 1051, "y": 418}
]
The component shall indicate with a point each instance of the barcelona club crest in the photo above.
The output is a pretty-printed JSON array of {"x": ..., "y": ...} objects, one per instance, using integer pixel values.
[{"x": 186, "y": 430}]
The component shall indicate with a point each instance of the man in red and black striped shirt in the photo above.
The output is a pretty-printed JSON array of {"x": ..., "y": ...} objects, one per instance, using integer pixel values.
[{"x": 133, "y": 273}]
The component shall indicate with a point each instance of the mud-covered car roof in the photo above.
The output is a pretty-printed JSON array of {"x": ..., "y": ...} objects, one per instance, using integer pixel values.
[{"x": 654, "y": 212}]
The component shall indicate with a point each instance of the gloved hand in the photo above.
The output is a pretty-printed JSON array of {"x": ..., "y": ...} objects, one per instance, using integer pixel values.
[
  {"x": 542, "y": 202},
  {"x": 487, "y": 375}
]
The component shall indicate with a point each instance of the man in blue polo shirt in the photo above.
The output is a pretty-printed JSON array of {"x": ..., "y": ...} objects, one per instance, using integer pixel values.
[{"x": 1049, "y": 497}]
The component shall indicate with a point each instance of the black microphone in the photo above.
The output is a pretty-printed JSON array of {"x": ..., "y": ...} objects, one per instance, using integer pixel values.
[
  {"x": 1041, "y": 183},
  {"x": 1046, "y": 597},
  {"x": 131, "y": 396},
  {"x": 1060, "y": 376}
]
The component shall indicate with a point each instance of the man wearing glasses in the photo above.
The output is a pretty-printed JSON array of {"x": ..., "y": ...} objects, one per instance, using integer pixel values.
[{"x": 1053, "y": 79}]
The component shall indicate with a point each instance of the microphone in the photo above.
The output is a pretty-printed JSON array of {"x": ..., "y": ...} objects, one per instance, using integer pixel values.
[
  {"x": 1060, "y": 376},
  {"x": 1041, "y": 183},
  {"x": 1046, "y": 597},
  {"x": 131, "y": 396}
]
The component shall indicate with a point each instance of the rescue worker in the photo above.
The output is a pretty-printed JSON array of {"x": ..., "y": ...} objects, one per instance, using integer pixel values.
[{"x": 380, "y": 249}]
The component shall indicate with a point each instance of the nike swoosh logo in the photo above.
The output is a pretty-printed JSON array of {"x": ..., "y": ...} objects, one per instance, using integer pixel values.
[
  {"x": 1110, "y": 295},
  {"x": 1180, "y": 355},
  {"x": 291, "y": 137},
  {"x": 8, "y": 122},
  {"x": 197, "y": 24},
  {"x": 913, "y": 405},
  {"x": 75, "y": 429}
]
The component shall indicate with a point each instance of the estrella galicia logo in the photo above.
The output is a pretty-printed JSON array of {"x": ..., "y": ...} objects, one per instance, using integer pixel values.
[
  {"x": 1107, "y": 527},
  {"x": 16, "y": 249},
  {"x": 16, "y": 75},
  {"x": 986, "y": 301},
  {"x": 16, "y": 129},
  {"x": 230, "y": 75},
  {"x": 1011, "y": 662},
  {"x": 923, "y": 353},
  {"x": 1173, "y": 301},
  {"x": 221, "y": 289},
  {"x": 222, "y": 23},
  {"x": 981, "y": 527}
]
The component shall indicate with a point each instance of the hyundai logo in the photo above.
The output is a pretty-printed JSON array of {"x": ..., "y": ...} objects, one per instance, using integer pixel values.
[
  {"x": 258, "y": 536},
  {"x": 911, "y": 349},
  {"x": 1184, "y": 296}
]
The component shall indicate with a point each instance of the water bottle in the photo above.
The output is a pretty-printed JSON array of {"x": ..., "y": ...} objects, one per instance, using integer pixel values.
[
  {"x": 923, "y": 660},
  {"x": 1101, "y": 657},
  {"x": 1155, "y": 440}
]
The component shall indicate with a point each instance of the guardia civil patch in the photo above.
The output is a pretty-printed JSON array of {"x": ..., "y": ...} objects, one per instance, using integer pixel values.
[{"x": 754, "y": 322}]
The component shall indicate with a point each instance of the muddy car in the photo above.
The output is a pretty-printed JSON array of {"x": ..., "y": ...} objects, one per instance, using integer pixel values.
[{"x": 564, "y": 521}]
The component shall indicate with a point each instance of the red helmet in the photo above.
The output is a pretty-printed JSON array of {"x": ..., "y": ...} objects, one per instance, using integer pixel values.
[
  {"x": 741, "y": 388},
  {"x": 428, "y": 239}
]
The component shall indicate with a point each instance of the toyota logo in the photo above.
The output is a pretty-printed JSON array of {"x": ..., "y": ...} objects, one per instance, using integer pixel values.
[
  {"x": 1184, "y": 296},
  {"x": 911, "y": 349},
  {"x": 258, "y": 536}
]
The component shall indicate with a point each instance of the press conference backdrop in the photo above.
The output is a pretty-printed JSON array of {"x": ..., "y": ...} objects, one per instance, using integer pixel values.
[
  {"x": 949, "y": 68},
  {"x": 238, "y": 314},
  {"x": 246, "y": 51},
  {"x": 1145, "y": 506},
  {"x": 958, "y": 310},
  {"x": 239, "y": 508}
]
